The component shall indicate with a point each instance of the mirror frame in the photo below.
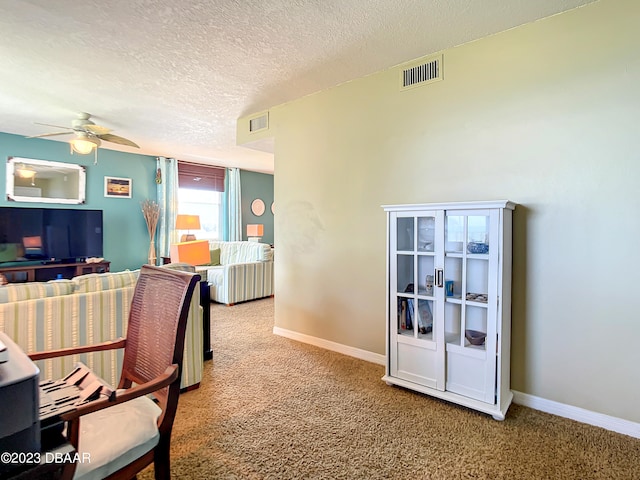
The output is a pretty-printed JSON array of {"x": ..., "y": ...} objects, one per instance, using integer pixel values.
[
  {"x": 257, "y": 207},
  {"x": 11, "y": 170}
]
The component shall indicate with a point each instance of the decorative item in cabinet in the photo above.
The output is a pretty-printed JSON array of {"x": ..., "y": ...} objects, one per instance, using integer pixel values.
[
  {"x": 475, "y": 337},
  {"x": 429, "y": 285},
  {"x": 477, "y": 247},
  {"x": 477, "y": 297}
]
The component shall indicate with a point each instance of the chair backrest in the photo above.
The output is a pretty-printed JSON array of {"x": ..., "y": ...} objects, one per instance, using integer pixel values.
[{"x": 156, "y": 331}]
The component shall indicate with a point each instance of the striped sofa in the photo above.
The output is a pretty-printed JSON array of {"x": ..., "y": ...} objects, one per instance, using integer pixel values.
[
  {"x": 245, "y": 272},
  {"x": 86, "y": 310}
]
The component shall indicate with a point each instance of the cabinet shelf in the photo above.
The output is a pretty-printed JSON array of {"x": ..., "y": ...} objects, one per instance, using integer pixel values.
[
  {"x": 452, "y": 338},
  {"x": 459, "y": 301},
  {"x": 422, "y": 293},
  {"x": 426, "y": 336},
  {"x": 476, "y": 304},
  {"x": 478, "y": 256},
  {"x": 421, "y": 336}
]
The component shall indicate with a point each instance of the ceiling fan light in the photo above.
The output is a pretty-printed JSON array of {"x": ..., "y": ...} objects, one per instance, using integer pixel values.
[
  {"x": 84, "y": 145},
  {"x": 25, "y": 171}
]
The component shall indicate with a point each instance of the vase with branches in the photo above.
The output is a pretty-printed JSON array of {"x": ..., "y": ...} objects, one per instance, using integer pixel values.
[{"x": 151, "y": 213}]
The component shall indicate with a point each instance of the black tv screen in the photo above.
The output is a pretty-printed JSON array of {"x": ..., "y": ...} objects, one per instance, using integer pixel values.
[{"x": 49, "y": 234}]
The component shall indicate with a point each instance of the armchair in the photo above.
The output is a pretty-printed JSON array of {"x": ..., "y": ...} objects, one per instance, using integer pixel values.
[{"x": 125, "y": 432}]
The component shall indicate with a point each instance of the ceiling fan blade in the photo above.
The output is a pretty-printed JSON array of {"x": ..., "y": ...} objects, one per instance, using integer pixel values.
[
  {"x": 96, "y": 129},
  {"x": 116, "y": 139},
  {"x": 49, "y": 125},
  {"x": 50, "y": 134}
]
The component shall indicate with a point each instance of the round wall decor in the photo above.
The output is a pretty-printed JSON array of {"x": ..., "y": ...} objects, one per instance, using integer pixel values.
[{"x": 257, "y": 207}]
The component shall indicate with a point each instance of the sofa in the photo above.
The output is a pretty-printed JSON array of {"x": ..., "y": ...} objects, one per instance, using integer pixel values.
[
  {"x": 239, "y": 271},
  {"x": 86, "y": 310}
]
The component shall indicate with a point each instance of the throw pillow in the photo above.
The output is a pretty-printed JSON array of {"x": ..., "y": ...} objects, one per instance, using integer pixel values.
[{"x": 214, "y": 256}]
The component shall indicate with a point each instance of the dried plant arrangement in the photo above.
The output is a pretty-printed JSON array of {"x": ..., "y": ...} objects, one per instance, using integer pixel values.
[{"x": 151, "y": 213}]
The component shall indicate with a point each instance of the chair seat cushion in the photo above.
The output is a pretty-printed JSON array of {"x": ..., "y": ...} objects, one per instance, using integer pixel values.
[{"x": 115, "y": 436}]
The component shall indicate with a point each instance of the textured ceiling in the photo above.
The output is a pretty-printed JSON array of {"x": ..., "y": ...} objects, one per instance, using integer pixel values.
[{"x": 175, "y": 75}]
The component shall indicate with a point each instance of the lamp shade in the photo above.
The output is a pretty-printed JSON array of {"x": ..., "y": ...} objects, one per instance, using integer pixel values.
[
  {"x": 193, "y": 253},
  {"x": 84, "y": 144},
  {"x": 255, "y": 230},
  {"x": 188, "y": 222},
  {"x": 33, "y": 245},
  {"x": 35, "y": 241}
]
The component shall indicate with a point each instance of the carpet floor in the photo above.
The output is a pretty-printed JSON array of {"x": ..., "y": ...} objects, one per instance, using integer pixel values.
[{"x": 272, "y": 408}]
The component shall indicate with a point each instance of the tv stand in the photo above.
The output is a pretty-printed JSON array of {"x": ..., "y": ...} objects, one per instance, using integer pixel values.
[{"x": 43, "y": 272}]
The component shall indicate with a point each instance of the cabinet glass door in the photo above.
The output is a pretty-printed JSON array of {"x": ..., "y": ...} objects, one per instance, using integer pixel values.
[
  {"x": 470, "y": 297},
  {"x": 414, "y": 242},
  {"x": 415, "y": 262}
]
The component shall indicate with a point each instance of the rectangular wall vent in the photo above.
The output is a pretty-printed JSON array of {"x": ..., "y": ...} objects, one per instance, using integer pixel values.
[
  {"x": 260, "y": 122},
  {"x": 426, "y": 70}
]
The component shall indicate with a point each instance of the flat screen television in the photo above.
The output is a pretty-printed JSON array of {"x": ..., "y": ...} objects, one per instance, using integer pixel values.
[{"x": 49, "y": 234}]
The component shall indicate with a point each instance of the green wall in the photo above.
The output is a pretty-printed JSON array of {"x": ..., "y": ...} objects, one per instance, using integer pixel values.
[
  {"x": 545, "y": 115},
  {"x": 125, "y": 237},
  {"x": 257, "y": 185}
]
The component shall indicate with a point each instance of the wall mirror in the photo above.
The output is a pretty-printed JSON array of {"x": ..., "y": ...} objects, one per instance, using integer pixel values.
[
  {"x": 257, "y": 207},
  {"x": 30, "y": 180}
]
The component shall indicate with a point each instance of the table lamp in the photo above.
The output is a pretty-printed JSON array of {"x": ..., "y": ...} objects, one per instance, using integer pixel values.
[
  {"x": 187, "y": 222},
  {"x": 255, "y": 232},
  {"x": 33, "y": 245}
]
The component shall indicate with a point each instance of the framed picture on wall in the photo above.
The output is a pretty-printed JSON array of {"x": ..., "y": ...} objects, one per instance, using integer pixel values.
[{"x": 117, "y": 187}]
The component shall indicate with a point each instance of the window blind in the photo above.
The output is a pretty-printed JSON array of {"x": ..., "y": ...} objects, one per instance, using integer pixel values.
[{"x": 200, "y": 177}]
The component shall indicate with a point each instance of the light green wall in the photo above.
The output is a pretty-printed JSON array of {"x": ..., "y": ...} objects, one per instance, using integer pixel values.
[
  {"x": 125, "y": 237},
  {"x": 545, "y": 115},
  {"x": 257, "y": 185}
]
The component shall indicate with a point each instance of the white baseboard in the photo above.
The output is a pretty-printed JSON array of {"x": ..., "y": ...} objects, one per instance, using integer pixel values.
[
  {"x": 333, "y": 346},
  {"x": 607, "y": 422}
]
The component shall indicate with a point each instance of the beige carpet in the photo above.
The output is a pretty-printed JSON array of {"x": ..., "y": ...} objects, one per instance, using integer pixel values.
[{"x": 272, "y": 408}]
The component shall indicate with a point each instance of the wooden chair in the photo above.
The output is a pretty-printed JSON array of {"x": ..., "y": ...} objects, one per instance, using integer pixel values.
[{"x": 125, "y": 433}]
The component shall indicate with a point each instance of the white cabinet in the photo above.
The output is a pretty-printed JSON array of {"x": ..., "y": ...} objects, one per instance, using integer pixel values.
[{"x": 449, "y": 301}]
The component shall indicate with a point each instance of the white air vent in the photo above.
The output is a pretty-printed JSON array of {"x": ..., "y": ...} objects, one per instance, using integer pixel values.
[
  {"x": 424, "y": 71},
  {"x": 259, "y": 122}
]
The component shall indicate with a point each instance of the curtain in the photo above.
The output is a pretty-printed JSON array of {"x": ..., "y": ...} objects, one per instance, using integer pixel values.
[
  {"x": 232, "y": 206},
  {"x": 167, "y": 188}
]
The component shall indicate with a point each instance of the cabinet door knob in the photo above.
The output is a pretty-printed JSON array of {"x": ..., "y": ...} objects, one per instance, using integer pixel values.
[{"x": 439, "y": 274}]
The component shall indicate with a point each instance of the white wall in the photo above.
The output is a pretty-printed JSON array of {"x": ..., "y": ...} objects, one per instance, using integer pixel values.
[{"x": 545, "y": 115}]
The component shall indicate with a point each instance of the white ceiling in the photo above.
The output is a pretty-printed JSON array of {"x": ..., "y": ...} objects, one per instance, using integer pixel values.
[{"x": 175, "y": 75}]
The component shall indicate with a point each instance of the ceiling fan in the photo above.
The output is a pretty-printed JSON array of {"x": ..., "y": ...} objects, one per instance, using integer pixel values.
[{"x": 88, "y": 135}]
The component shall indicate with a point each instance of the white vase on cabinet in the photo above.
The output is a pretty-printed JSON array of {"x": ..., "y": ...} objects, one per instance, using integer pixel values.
[{"x": 451, "y": 341}]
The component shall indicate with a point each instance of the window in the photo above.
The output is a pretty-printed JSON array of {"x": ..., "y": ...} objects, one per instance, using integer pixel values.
[
  {"x": 200, "y": 193},
  {"x": 207, "y": 204}
]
